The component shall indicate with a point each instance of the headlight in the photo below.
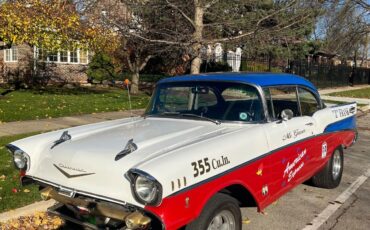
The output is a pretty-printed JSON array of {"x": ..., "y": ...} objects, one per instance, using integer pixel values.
[
  {"x": 20, "y": 158},
  {"x": 145, "y": 188}
]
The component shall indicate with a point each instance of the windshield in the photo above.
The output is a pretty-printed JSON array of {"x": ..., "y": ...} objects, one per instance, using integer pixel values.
[{"x": 220, "y": 101}]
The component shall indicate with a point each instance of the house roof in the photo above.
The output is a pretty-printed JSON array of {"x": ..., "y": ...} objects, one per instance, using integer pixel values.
[{"x": 261, "y": 79}]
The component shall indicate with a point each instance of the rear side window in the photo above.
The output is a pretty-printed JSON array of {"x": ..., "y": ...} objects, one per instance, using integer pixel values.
[
  {"x": 280, "y": 98},
  {"x": 309, "y": 103}
]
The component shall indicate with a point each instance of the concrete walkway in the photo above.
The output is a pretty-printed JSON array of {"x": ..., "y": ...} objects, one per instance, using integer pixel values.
[
  {"x": 40, "y": 206},
  {"x": 341, "y": 89},
  {"x": 363, "y": 101},
  {"x": 21, "y": 127}
]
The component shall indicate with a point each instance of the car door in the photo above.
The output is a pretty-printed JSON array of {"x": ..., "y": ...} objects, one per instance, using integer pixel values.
[{"x": 289, "y": 140}]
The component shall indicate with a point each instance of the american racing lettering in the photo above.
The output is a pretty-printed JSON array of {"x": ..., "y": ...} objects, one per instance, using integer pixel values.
[
  {"x": 205, "y": 165},
  {"x": 292, "y": 169}
]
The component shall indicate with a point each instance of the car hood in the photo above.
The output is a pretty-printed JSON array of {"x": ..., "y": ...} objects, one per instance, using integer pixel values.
[{"x": 86, "y": 162}]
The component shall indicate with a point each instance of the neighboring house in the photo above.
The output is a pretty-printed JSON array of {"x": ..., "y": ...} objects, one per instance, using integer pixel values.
[
  {"x": 24, "y": 62},
  {"x": 322, "y": 57},
  {"x": 364, "y": 63}
]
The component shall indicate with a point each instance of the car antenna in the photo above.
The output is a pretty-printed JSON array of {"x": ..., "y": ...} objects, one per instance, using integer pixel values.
[{"x": 127, "y": 83}]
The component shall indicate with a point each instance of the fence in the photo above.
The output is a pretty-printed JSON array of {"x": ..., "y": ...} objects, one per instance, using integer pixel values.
[
  {"x": 327, "y": 75},
  {"x": 323, "y": 75}
]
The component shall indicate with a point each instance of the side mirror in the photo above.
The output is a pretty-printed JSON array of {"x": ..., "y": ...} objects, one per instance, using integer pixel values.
[{"x": 286, "y": 114}]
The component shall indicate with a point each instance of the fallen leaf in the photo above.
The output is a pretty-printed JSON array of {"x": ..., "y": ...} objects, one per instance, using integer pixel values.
[
  {"x": 246, "y": 221},
  {"x": 26, "y": 191}
]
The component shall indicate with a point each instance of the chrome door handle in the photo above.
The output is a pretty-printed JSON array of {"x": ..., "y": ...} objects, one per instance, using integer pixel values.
[{"x": 309, "y": 124}]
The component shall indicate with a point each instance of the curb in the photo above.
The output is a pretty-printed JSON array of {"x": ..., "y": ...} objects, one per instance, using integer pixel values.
[
  {"x": 364, "y": 110},
  {"x": 40, "y": 206}
]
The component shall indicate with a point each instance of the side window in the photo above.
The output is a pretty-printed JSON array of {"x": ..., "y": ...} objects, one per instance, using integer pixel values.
[
  {"x": 242, "y": 104},
  {"x": 309, "y": 103},
  {"x": 283, "y": 98}
]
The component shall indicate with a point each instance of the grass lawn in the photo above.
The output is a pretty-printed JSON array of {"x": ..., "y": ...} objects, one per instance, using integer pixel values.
[
  {"x": 9, "y": 180},
  {"x": 357, "y": 93},
  {"x": 58, "y": 102}
]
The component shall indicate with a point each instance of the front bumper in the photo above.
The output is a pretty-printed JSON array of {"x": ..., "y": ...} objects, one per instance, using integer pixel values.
[{"x": 79, "y": 210}]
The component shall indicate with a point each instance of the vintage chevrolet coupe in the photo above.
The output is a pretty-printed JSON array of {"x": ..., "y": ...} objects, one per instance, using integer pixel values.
[{"x": 206, "y": 146}]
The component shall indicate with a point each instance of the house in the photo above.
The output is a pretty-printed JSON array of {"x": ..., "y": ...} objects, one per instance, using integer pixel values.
[
  {"x": 26, "y": 62},
  {"x": 323, "y": 57}
]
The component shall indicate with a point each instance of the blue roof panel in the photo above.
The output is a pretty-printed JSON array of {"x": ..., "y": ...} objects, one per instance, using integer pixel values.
[{"x": 261, "y": 79}]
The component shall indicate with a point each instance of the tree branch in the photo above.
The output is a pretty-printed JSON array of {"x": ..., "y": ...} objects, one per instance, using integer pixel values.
[
  {"x": 207, "y": 6},
  {"x": 230, "y": 38},
  {"x": 363, "y": 4},
  {"x": 126, "y": 32},
  {"x": 181, "y": 12},
  {"x": 253, "y": 32},
  {"x": 129, "y": 63},
  {"x": 157, "y": 40},
  {"x": 275, "y": 13},
  {"x": 145, "y": 62}
]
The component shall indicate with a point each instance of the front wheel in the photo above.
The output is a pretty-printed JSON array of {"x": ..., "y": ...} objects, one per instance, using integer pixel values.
[
  {"x": 331, "y": 175},
  {"x": 221, "y": 212}
]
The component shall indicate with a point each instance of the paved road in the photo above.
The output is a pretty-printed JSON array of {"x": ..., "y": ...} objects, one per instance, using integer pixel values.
[{"x": 299, "y": 208}]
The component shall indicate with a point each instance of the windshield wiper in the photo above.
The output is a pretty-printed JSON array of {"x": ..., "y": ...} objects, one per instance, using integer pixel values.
[
  {"x": 201, "y": 117},
  {"x": 187, "y": 115}
]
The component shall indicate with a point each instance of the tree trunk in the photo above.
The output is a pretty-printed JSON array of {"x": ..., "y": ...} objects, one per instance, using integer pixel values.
[
  {"x": 197, "y": 37},
  {"x": 195, "y": 65},
  {"x": 135, "y": 82}
]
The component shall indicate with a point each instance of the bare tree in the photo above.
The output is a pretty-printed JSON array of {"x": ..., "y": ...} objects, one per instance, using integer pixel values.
[
  {"x": 192, "y": 24},
  {"x": 345, "y": 27},
  {"x": 149, "y": 27}
]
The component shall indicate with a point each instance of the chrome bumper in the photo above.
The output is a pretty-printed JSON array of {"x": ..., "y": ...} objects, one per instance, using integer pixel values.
[{"x": 132, "y": 219}]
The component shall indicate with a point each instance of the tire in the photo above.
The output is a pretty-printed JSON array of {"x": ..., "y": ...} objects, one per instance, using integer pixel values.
[
  {"x": 220, "y": 208},
  {"x": 331, "y": 175}
]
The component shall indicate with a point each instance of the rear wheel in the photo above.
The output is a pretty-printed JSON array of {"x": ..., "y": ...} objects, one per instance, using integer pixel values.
[
  {"x": 221, "y": 212},
  {"x": 331, "y": 175}
]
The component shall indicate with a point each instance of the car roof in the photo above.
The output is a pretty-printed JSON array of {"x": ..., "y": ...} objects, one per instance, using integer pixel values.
[{"x": 261, "y": 79}]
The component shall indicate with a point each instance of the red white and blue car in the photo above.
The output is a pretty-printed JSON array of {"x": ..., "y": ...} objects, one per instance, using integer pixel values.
[{"x": 206, "y": 146}]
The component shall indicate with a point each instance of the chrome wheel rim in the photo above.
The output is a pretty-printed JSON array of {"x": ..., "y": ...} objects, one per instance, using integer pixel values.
[
  {"x": 224, "y": 220},
  {"x": 337, "y": 164}
]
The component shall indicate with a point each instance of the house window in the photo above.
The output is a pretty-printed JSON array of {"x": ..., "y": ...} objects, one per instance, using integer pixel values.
[
  {"x": 83, "y": 57},
  {"x": 73, "y": 56},
  {"x": 63, "y": 56},
  {"x": 52, "y": 56},
  {"x": 11, "y": 55},
  {"x": 42, "y": 55}
]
